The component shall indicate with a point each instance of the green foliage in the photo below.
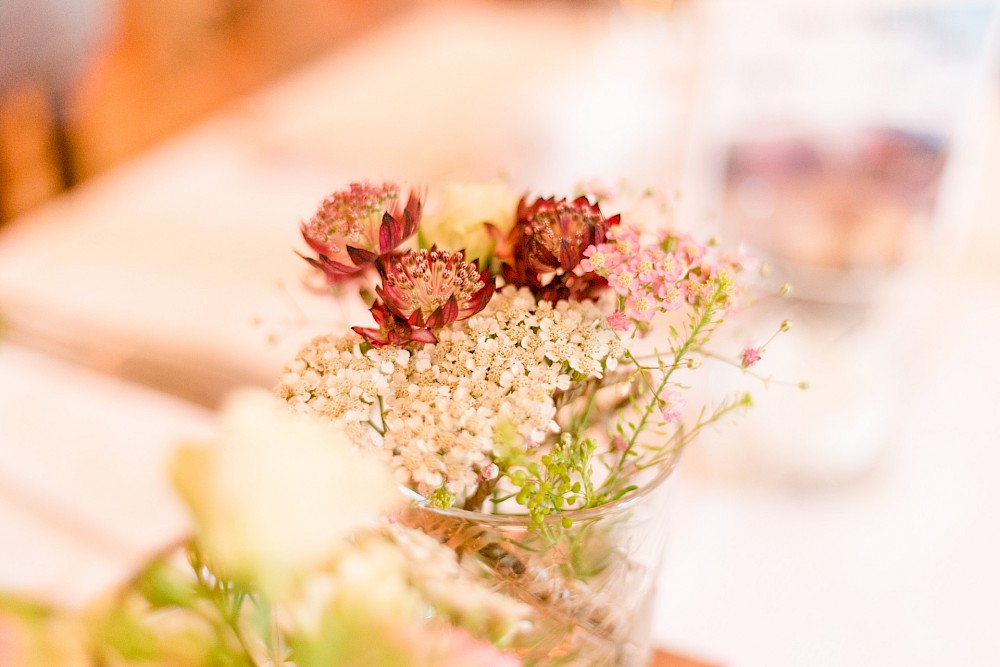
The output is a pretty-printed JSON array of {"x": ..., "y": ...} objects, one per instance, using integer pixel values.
[
  {"x": 163, "y": 586},
  {"x": 556, "y": 481},
  {"x": 123, "y": 633},
  {"x": 442, "y": 498}
]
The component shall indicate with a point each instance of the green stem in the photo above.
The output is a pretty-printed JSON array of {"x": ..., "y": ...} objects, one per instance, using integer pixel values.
[
  {"x": 580, "y": 422},
  {"x": 706, "y": 319},
  {"x": 718, "y": 414},
  {"x": 229, "y": 614}
]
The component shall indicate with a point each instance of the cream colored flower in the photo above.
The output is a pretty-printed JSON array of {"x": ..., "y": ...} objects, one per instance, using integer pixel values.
[
  {"x": 278, "y": 492},
  {"x": 458, "y": 222}
]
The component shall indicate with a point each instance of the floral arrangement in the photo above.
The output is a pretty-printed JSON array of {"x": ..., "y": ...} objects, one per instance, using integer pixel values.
[
  {"x": 494, "y": 336},
  {"x": 527, "y": 374}
]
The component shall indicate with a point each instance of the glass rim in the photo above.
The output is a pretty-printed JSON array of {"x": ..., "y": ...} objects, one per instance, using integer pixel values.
[{"x": 627, "y": 500}]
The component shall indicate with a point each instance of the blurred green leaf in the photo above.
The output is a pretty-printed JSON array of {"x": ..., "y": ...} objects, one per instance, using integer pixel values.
[{"x": 164, "y": 586}]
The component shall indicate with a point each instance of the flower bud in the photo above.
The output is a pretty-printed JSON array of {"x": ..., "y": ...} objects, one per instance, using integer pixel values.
[{"x": 459, "y": 222}]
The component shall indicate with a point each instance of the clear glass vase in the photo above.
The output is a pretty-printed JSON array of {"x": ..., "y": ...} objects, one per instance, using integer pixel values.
[{"x": 591, "y": 585}]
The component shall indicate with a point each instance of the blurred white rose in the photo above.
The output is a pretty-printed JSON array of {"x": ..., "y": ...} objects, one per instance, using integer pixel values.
[
  {"x": 459, "y": 221},
  {"x": 278, "y": 492}
]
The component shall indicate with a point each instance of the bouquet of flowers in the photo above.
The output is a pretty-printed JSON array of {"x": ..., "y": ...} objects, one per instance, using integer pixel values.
[
  {"x": 481, "y": 381},
  {"x": 525, "y": 376},
  {"x": 527, "y": 381}
]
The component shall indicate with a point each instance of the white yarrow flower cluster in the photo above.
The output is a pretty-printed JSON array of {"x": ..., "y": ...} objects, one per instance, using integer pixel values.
[{"x": 434, "y": 412}]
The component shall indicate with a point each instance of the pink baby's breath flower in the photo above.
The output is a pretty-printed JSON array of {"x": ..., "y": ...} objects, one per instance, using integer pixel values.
[
  {"x": 749, "y": 356},
  {"x": 618, "y": 321}
]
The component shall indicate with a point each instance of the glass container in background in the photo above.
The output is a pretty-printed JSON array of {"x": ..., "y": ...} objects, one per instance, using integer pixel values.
[{"x": 838, "y": 141}]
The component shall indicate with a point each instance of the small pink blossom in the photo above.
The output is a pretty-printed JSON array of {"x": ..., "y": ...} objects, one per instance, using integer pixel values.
[
  {"x": 624, "y": 233},
  {"x": 750, "y": 356},
  {"x": 683, "y": 247},
  {"x": 596, "y": 259},
  {"x": 667, "y": 267},
  {"x": 643, "y": 264},
  {"x": 618, "y": 321},
  {"x": 739, "y": 260},
  {"x": 621, "y": 280},
  {"x": 671, "y": 295},
  {"x": 671, "y": 406},
  {"x": 641, "y": 306},
  {"x": 695, "y": 289}
]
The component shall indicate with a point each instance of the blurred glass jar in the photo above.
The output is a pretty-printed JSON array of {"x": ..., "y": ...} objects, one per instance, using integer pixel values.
[
  {"x": 835, "y": 140},
  {"x": 836, "y": 137}
]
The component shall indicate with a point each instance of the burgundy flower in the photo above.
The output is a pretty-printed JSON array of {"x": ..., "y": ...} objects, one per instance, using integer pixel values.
[
  {"x": 356, "y": 226},
  {"x": 432, "y": 288},
  {"x": 392, "y": 330},
  {"x": 573, "y": 287},
  {"x": 553, "y": 233}
]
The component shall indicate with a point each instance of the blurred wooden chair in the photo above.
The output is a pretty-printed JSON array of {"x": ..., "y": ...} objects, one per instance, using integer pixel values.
[{"x": 46, "y": 43}]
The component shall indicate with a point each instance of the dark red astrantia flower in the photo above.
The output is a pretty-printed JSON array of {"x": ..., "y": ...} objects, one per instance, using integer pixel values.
[
  {"x": 553, "y": 233},
  {"x": 432, "y": 288},
  {"x": 550, "y": 237},
  {"x": 354, "y": 227},
  {"x": 392, "y": 330}
]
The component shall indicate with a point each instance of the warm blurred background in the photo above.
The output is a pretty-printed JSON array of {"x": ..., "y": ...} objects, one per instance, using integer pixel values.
[
  {"x": 89, "y": 83},
  {"x": 156, "y": 157}
]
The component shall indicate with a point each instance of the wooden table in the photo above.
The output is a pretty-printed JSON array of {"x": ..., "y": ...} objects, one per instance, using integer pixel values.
[{"x": 665, "y": 659}]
